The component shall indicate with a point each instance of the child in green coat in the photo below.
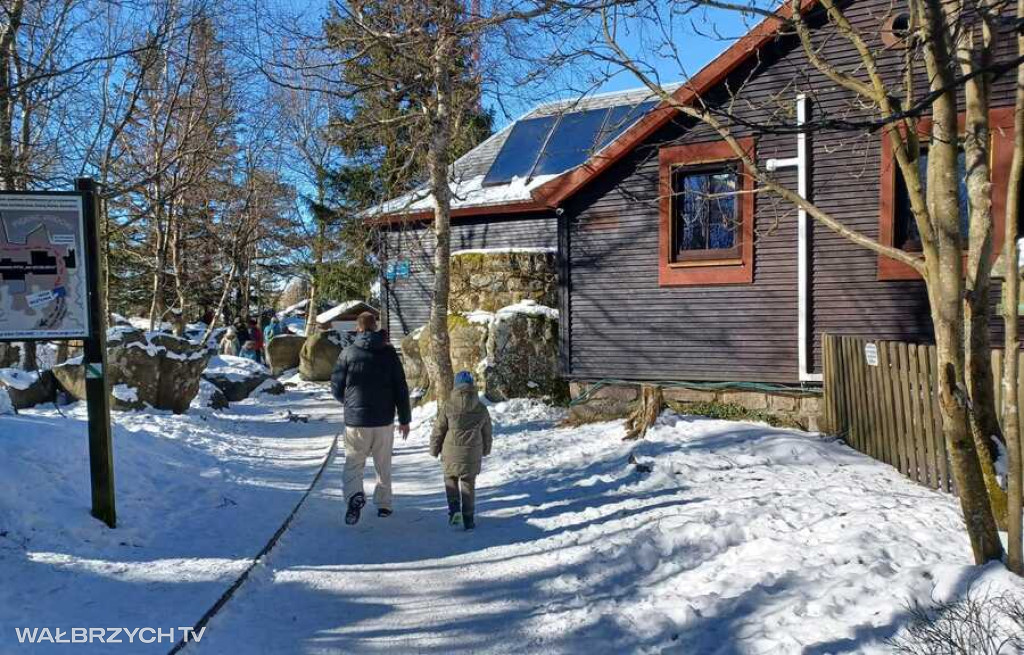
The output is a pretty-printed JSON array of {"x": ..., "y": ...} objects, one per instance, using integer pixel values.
[{"x": 462, "y": 437}]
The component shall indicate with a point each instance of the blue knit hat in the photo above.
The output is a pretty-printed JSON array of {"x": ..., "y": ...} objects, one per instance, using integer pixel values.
[{"x": 463, "y": 377}]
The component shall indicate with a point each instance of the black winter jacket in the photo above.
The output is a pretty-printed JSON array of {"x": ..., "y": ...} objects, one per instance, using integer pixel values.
[{"x": 370, "y": 381}]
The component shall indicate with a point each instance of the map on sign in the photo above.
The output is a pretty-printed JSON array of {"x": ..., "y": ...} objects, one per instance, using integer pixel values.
[{"x": 43, "y": 287}]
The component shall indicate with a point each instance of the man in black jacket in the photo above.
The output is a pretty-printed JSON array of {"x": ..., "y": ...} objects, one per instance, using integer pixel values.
[{"x": 370, "y": 381}]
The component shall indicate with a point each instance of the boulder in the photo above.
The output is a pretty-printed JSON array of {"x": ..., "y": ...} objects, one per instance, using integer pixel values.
[
  {"x": 522, "y": 354},
  {"x": 491, "y": 279},
  {"x": 413, "y": 362},
  {"x": 209, "y": 397},
  {"x": 159, "y": 370},
  {"x": 236, "y": 377},
  {"x": 283, "y": 352},
  {"x": 10, "y": 354},
  {"x": 28, "y": 389},
  {"x": 70, "y": 376},
  {"x": 320, "y": 353},
  {"x": 512, "y": 353},
  {"x": 270, "y": 386}
]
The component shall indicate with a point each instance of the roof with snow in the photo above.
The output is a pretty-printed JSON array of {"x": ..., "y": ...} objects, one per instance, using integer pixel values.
[
  {"x": 546, "y": 142},
  {"x": 346, "y": 311}
]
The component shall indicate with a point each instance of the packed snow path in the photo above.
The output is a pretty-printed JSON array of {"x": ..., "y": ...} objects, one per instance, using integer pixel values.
[
  {"x": 742, "y": 539},
  {"x": 197, "y": 496}
]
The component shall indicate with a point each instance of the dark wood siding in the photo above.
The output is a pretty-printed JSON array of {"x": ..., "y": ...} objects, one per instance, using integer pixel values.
[
  {"x": 409, "y": 298},
  {"x": 623, "y": 325}
]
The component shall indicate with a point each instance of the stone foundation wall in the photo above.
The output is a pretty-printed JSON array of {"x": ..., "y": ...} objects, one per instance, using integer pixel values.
[
  {"x": 791, "y": 409},
  {"x": 488, "y": 281}
]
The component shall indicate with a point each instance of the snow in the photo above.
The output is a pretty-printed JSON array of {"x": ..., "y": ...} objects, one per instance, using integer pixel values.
[
  {"x": 741, "y": 539},
  {"x": 6, "y": 406},
  {"x": 479, "y": 317},
  {"x": 529, "y": 307},
  {"x": 16, "y": 378},
  {"x": 469, "y": 192},
  {"x": 738, "y": 538},
  {"x": 197, "y": 496},
  {"x": 492, "y": 251},
  {"x": 234, "y": 369},
  {"x": 290, "y": 309},
  {"x": 338, "y": 310},
  {"x": 124, "y": 393}
]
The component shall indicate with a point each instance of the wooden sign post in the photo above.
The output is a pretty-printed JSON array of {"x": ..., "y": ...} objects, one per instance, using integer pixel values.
[{"x": 97, "y": 389}]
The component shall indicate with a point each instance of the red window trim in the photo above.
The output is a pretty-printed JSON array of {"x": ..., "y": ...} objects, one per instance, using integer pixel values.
[
  {"x": 694, "y": 272},
  {"x": 1001, "y": 128}
]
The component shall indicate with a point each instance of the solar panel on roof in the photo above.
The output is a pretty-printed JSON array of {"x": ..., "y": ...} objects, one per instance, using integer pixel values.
[
  {"x": 571, "y": 142},
  {"x": 549, "y": 145},
  {"x": 619, "y": 118},
  {"x": 519, "y": 152}
]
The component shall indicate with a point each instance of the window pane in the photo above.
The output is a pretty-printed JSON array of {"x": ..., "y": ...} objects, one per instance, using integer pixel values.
[
  {"x": 907, "y": 234},
  {"x": 520, "y": 150},
  {"x": 723, "y": 210},
  {"x": 706, "y": 210}
]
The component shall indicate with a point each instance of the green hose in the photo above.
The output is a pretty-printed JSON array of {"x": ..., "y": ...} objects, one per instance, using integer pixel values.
[{"x": 699, "y": 386}]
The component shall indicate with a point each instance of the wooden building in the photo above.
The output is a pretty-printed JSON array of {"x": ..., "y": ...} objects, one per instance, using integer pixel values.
[{"x": 653, "y": 288}]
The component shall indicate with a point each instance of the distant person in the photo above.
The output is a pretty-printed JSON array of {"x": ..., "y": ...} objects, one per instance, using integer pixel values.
[
  {"x": 462, "y": 437},
  {"x": 370, "y": 381},
  {"x": 256, "y": 336},
  {"x": 273, "y": 329},
  {"x": 241, "y": 331},
  {"x": 229, "y": 343},
  {"x": 249, "y": 352}
]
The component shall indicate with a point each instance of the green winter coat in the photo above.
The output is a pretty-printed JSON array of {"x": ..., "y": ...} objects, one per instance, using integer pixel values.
[{"x": 462, "y": 435}]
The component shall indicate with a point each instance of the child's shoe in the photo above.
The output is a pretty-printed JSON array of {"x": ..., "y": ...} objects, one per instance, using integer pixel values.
[
  {"x": 455, "y": 519},
  {"x": 468, "y": 522}
]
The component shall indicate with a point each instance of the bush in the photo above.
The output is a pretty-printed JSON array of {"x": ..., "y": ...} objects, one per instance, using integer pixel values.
[
  {"x": 973, "y": 625},
  {"x": 728, "y": 412}
]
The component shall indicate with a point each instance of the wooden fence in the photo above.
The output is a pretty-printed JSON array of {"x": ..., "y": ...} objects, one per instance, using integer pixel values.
[{"x": 882, "y": 397}]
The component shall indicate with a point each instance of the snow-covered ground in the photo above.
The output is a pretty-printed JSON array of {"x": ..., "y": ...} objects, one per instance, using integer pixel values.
[
  {"x": 197, "y": 496},
  {"x": 740, "y": 539}
]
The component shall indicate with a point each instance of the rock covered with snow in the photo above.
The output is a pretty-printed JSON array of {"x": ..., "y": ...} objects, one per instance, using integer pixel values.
[
  {"x": 522, "y": 353},
  {"x": 489, "y": 279},
  {"x": 209, "y": 397},
  {"x": 236, "y": 377},
  {"x": 163, "y": 371},
  {"x": 28, "y": 388},
  {"x": 283, "y": 352},
  {"x": 319, "y": 354}
]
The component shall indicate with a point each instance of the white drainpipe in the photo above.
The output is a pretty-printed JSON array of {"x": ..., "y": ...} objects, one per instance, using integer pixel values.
[{"x": 803, "y": 252}]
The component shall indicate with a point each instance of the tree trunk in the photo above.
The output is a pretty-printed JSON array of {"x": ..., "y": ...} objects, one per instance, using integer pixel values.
[
  {"x": 647, "y": 411},
  {"x": 1011, "y": 345},
  {"x": 440, "y": 360}
]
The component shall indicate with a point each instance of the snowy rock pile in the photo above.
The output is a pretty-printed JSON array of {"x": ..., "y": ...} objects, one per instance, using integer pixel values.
[
  {"x": 236, "y": 377},
  {"x": 155, "y": 369}
]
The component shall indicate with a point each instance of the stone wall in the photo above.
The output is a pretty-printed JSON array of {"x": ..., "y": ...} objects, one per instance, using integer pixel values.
[
  {"x": 793, "y": 409},
  {"x": 490, "y": 280}
]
